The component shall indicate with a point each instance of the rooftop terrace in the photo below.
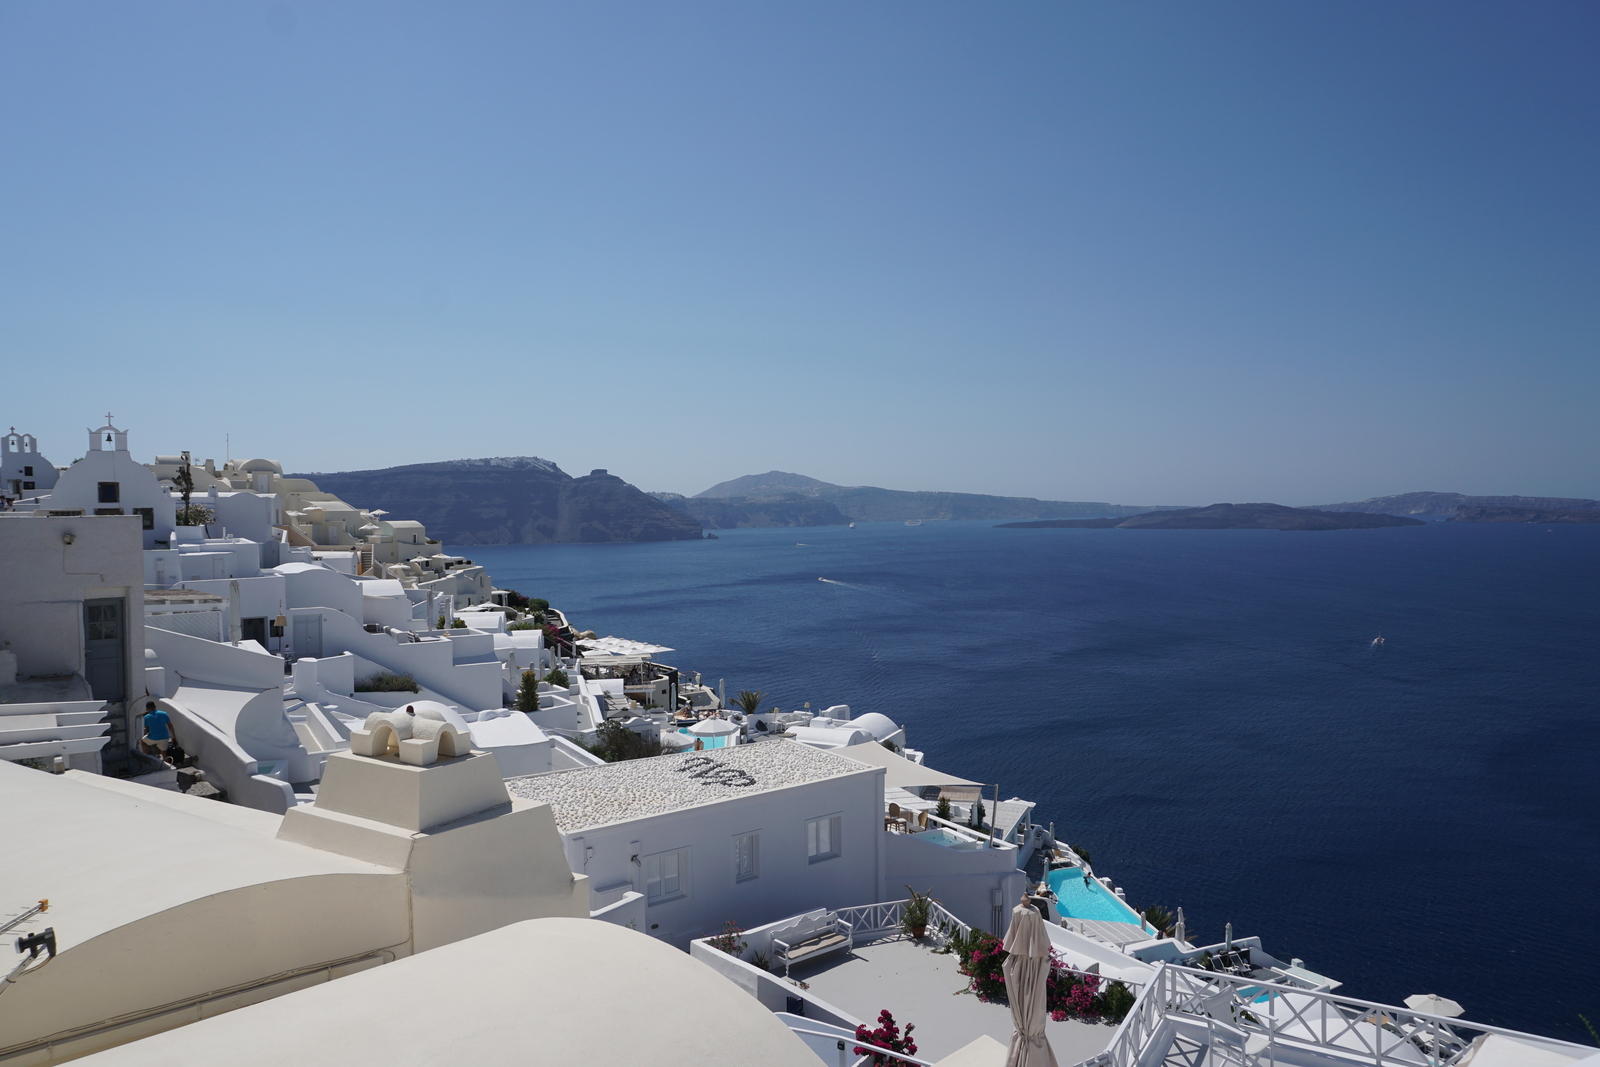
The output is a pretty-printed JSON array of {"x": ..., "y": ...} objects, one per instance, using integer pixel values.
[{"x": 633, "y": 789}]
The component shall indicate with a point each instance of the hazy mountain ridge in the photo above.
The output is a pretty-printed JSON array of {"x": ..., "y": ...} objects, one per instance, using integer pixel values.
[
  {"x": 1260, "y": 516},
  {"x": 518, "y": 500},
  {"x": 784, "y": 509},
  {"x": 1441, "y": 505}
]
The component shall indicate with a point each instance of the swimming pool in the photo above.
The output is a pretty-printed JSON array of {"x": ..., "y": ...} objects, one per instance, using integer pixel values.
[
  {"x": 940, "y": 835},
  {"x": 1092, "y": 901}
]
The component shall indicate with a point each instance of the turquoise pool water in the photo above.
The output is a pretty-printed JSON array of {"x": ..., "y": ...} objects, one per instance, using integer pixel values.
[
  {"x": 726, "y": 741},
  {"x": 1092, "y": 901}
]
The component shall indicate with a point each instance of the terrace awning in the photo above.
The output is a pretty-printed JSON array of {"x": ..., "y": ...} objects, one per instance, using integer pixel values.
[{"x": 907, "y": 775}]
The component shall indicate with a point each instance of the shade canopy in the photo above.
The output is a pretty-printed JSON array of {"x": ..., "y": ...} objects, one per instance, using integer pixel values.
[
  {"x": 713, "y": 728},
  {"x": 902, "y": 772}
]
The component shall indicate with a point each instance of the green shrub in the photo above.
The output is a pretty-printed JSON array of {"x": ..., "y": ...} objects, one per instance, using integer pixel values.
[
  {"x": 943, "y": 810},
  {"x": 1115, "y": 1002},
  {"x": 459, "y": 624},
  {"x": 528, "y": 693},
  {"x": 522, "y": 626},
  {"x": 614, "y": 743},
  {"x": 388, "y": 683},
  {"x": 558, "y": 678}
]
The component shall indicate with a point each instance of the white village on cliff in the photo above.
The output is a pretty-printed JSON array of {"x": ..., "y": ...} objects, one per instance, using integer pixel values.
[{"x": 283, "y": 781}]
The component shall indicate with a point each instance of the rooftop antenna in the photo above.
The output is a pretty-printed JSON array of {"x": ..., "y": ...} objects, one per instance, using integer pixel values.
[{"x": 227, "y": 449}]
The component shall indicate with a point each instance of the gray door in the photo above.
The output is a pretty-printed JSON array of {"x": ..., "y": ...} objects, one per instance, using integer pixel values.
[
  {"x": 308, "y": 636},
  {"x": 104, "y": 665},
  {"x": 105, "y": 669}
]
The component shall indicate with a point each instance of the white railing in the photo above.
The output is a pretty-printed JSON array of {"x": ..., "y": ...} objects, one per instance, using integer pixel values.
[
  {"x": 845, "y": 1043},
  {"x": 1244, "y": 1018},
  {"x": 874, "y": 918}
]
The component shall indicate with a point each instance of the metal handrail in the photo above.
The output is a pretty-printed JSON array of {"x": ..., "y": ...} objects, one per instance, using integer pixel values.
[{"x": 852, "y": 1039}]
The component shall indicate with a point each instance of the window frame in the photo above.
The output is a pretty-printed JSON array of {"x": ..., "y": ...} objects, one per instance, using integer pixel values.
[
  {"x": 148, "y": 515},
  {"x": 835, "y": 824},
  {"x": 681, "y": 856},
  {"x": 740, "y": 876},
  {"x": 110, "y": 493}
]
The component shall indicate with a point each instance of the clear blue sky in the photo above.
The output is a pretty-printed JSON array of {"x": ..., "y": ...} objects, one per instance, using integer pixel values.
[{"x": 1139, "y": 253}]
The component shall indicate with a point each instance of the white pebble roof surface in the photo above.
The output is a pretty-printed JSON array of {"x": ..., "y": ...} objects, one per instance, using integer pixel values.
[{"x": 633, "y": 789}]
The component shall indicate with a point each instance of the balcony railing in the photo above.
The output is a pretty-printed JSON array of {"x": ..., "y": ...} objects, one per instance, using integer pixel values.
[{"x": 1241, "y": 1020}]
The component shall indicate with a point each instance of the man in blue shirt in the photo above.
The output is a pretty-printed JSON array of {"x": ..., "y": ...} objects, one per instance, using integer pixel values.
[{"x": 157, "y": 730}]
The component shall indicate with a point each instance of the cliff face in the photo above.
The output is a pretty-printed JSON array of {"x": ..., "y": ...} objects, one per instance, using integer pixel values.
[{"x": 520, "y": 501}]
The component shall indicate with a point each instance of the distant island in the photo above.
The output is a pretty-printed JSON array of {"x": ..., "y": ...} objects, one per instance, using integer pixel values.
[
  {"x": 1228, "y": 517},
  {"x": 781, "y": 498},
  {"x": 1499, "y": 513},
  {"x": 1451, "y": 505}
]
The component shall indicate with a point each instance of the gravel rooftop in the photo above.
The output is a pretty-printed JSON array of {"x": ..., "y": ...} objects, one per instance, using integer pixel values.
[{"x": 617, "y": 792}]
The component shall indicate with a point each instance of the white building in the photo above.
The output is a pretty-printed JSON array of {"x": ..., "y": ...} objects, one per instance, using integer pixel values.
[
  {"x": 72, "y": 626},
  {"x": 23, "y": 471},
  {"x": 677, "y": 845},
  {"x": 165, "y": 909},
  {"x": 108, "y": 481}
]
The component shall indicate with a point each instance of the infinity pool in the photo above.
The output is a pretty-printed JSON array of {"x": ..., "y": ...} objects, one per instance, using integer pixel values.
[{"x": 1091, "y": 901}]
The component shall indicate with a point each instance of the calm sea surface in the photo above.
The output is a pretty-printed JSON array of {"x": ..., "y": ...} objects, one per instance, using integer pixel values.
[{"x": 1204, "y": 711}]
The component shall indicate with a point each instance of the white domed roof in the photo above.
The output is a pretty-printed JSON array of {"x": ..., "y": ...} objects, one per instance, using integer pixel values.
[
  {"x": 878, "y": 725},
  {"x": 250, "y": 466}
]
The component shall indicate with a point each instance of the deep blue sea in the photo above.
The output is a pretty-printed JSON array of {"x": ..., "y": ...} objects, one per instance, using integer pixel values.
[{"x": 1206, "y": 713}]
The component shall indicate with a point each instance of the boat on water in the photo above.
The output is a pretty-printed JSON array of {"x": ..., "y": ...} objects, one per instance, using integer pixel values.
[
  {"x": 913, "y": 522},
  {"x": 1378, "y": 640},
  {"x": 852, "y": 526}
]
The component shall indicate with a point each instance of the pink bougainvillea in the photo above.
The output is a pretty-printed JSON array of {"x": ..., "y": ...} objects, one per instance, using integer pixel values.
[{"x": 886, "y": 1036}]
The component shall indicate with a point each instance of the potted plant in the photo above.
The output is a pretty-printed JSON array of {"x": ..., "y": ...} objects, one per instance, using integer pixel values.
[{"x": 918, "y": 910}]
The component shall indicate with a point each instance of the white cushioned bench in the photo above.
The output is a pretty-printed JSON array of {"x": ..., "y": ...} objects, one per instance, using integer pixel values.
[{"x": 816, "y": 933}]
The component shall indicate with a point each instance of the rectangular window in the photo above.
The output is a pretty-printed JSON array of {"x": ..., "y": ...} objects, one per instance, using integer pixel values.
[
  {"x": 149, "y": 516},
  {"x": 27, "y": 472},
  {"x": 102, "y": 621},
  {"x": 110, "y": 492},
  {"x": 746, "y": 857},
  {"x": 27, "y": 485},
  {"x": 666, "y": 876},
  {"x": 108, "y": 511},
  {"x": 822, "y": 838}
]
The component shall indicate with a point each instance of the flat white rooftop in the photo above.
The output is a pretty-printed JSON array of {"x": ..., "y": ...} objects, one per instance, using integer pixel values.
[
  {"x": 634, "y": 789},
  {"x": 923, "y": 987}
]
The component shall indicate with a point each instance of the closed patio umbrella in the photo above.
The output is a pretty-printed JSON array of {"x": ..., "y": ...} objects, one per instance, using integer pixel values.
[
  {"x": 1434, "y": 1004},
  {"x": 1027, "y": 971}
]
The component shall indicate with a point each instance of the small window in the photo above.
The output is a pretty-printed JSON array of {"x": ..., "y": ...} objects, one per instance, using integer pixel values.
[
  {"x": 27, "y": 472},
  {"x": 108, "y": 511},
  {"x": 149, "y": 516},
  {"x": 103, "y": 622},
  {"x": 746, "y": 857},
  {"x": 27, "y": 485},
  {"x": 666, "y": 876},
  {"x": 822, "y": 838},
  {"x": 110, "y": 492}
]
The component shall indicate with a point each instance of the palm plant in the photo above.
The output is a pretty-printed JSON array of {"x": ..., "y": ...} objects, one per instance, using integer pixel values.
[
  {"x": 749, "y": 701},
  {"x": 1161, "y": 919}
]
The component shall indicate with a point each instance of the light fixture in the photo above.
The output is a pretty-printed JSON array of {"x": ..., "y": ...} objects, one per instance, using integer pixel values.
[{"x": 68, "y": 538}]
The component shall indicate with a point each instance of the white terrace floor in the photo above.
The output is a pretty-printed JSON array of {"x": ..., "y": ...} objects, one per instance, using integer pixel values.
[{"x": 922, "y": 987}]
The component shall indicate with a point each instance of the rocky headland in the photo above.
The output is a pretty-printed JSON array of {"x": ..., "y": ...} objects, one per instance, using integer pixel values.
[{"x": 518, "y": 500}]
